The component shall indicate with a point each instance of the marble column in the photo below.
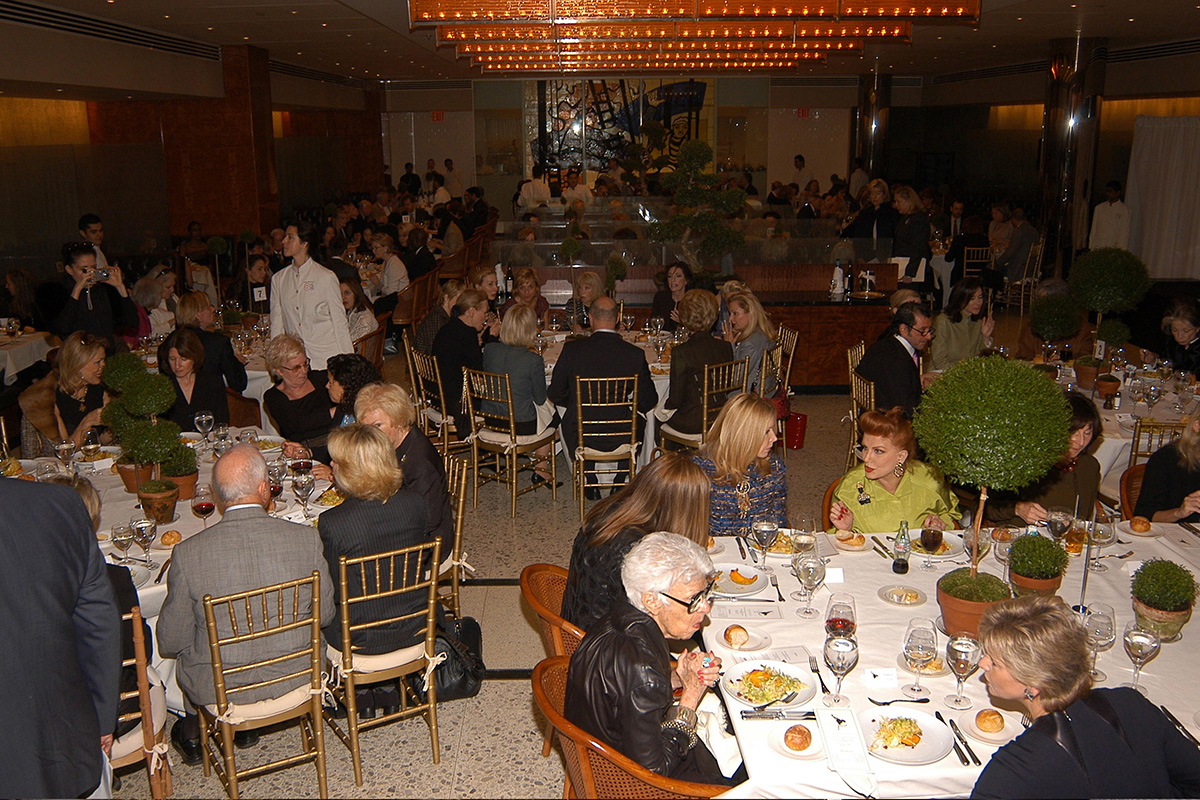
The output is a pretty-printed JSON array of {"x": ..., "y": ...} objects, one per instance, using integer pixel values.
[
  {"x": 1070, "y": 134},
  {"x": 874, "y": 107}
]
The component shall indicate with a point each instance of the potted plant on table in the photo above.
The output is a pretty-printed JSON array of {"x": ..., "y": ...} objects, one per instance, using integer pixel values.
[
  {"x": 1053, "y": 318},
  {"x": 1036, "y": 565},
  {"x": 158, "y": 498},
  {"x": 1109, "y": 279},
  {"x": 1086, "y": 370},
  {"x": 998, "y": 425},
  {"x": 1163, "y": 596}
]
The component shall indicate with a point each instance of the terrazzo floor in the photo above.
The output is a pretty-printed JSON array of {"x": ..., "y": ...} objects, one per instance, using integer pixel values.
[{"x": 491, "y": 744}]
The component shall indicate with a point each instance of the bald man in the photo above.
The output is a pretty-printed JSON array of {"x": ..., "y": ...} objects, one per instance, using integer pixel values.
[{"x": 247, "y": 549}]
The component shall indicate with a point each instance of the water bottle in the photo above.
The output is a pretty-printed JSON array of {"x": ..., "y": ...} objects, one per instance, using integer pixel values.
[{"x": 902, "y": 548}]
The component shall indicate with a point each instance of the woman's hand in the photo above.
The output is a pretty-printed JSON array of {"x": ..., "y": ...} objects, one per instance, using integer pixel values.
[
  {"x": 728, "y": 333},
  {"x": 322, "y": 472},
  {"x": 695, "y": 677},
  {"x": 935, "y": 522},
  {"x": 675, "y": 314},
  {"x": 294, "y": 450},
  {"x": 1031, "y": 512},
  {"x": 841, "y": 516},
  {"x": 989, "y": 327},
  {"x": 1191, "y": 505}
]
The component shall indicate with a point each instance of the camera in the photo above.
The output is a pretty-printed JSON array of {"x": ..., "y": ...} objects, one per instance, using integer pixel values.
[{"x": 102, "y": 274}]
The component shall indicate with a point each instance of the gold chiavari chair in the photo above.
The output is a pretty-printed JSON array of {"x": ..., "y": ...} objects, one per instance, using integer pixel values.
[
  {"x": 862, "y": 398},
  {"x": 974, "y": 261},
  {"x": 719, "y": 381},
  {"x": 1150, "y": 436},
  {"x": 429, "y": 398},
  {"x": 148, "y": 741},
  {"x": 604, "y": 407},
  {"x": 458, "y": 471}
]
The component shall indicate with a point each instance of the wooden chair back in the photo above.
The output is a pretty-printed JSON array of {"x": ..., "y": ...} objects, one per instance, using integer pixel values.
[
  {"x": 974, "y": 260},
  {"x": 543, "y": 586},
  {"x": 1150, "y": 436},
  {"x": 370, "y": 346},
  {"x": 827, "y": 504},
  {"x": 157, "y": 765},
  {"x": 1131, "y": 489},
  {"x": 719, "y": 381},
  {"x": 453, "y": 265},
  {"x": 408, "y": 301},
  {"x": 244, "y": 412},
  {"x": 428, "y": 396}
]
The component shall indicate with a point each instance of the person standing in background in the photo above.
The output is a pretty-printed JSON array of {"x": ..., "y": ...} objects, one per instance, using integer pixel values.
[
  {"x": 1110, "y": 220},
  {"x": 306, "y": 300}
]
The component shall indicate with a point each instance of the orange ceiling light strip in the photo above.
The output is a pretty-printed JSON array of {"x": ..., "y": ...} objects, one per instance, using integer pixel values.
[
  {"x": 485, "y": 48},
  {"x": 900, "y": 32},
  {"x": 961, "y": 11},
  {"x": 456, "y": 12},
  {"x": 548, "y": 59}
]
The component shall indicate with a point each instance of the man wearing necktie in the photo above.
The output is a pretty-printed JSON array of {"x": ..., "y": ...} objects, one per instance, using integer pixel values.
[{"x": 893, "y": 362}]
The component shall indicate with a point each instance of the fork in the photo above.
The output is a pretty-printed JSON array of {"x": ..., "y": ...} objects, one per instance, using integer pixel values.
[
  {"x": 787, "y": 698},
  {"x": 1122, "y": 556},
  {"x": 775, "y": 583},
  {"x": 812, "y": 664},
  {"x": 897, "y": 700}
]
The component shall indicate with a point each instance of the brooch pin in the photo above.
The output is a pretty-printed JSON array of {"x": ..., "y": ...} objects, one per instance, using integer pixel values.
[{"x": 863, "y": 497}]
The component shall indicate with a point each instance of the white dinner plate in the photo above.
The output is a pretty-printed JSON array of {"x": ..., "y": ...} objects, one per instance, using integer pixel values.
[
  {"x": 815, "y": 750},
  {"x": 936, "y": 739},
  {"x": 108, "y": 454},
  {"x": 733, "y": 676},
  {"x": 902, "y": 662},
  {"x": 1010, "y": 731},
  {"x": 726, "y": 586},
  {"x": 141, "y": 575},
  {"x": 898, "y": 595},
  {"x": 270, "y": 444},
  {"x": 1156, "y": 529},
  {"x": 757, "y": 641}
]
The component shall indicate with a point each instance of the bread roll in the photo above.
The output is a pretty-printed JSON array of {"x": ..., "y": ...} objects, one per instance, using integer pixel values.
[
  {"x": 736, "y": 636},
  {"x": 989, "y": 721},
  {"x": 172, "y": 538},
  {"x": 798, "y": 738},
  {"x": 1140, "y": 524}
]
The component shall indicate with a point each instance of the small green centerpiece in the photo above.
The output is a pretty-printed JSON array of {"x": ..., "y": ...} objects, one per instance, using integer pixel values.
[
  {"x": 158, "y": 499},
  {"x": 1054, "y": 318},
  {"x": 700, "y": 224},
  {"x": 1163, "y": 595},
  {"x": 1036, "y": 565}
]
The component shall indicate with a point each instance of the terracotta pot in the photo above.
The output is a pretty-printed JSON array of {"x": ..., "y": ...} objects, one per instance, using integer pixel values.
[
  {"x": 133, "y": 476},
  {"x": 1085, "y": 376},
  {"x": 1167, "y": 624},
  {"x": 160, "y": 506},
  {"x": 1107, "y": 386},
  {"x": 1046, "y": 587},
  {"x": 186, "y": 484},
  {"x": 249, "y": 320},
  {"x": 961, "y": 616}
]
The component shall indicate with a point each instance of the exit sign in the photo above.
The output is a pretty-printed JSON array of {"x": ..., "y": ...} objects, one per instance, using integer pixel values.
[
  {"x": 801, "y": 113},
  {"x": 438, "y": 116}
]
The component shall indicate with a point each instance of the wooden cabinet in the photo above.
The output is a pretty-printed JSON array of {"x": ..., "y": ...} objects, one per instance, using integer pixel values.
[{"x": 826, "y": 332}]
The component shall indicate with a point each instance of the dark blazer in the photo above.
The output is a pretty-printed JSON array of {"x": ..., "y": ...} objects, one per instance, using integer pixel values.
[
  {"x": 208, "y": 394},
  {"x": 63, "y": 664},
  {"x": 897, "y": 382},
  {"x": 425, "y": 474},
  {"x": 367, "y": 527},
  {"x": 246, "y": 550},
  {"x": 604, "y": 354},
  {"x": 218, "y": 359},
  {"x": 911, "y": 241},
  {"x": 456, "y": 346},
  {"x": 688, "y": 361},
  {"x": 419, "y": 263},
  {"x": 1166, "y": 484},
  {"x": 526, "y": 373}
]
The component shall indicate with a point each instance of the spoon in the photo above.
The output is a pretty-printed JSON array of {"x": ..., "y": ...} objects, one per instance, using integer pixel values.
[
  {"x": 897, "y": 700},
  {"x": 787, "y": 698}
]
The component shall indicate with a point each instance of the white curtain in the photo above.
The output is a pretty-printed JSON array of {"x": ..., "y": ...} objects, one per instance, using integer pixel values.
[{"x": 1163, "y": 195}]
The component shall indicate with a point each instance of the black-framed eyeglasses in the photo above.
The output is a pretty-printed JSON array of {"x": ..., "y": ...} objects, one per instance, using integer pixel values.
[{"x": 698, "y": 600}]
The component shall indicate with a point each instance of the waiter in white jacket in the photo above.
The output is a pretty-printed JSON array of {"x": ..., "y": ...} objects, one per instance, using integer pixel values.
[{"x": 306, "y": 300}]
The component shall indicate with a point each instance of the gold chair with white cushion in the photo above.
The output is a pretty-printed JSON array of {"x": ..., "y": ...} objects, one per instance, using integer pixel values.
[
  {"x": 719, "y": 381},
  {"x": 429, "y": 398},
  {"x": 605, "y": 407},
  {"x": 144, "y": 742},
  {"x": 453, "y": 567}
]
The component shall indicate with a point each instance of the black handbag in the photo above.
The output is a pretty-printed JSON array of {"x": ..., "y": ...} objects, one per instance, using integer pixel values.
[{"x": 460, "y": 675}]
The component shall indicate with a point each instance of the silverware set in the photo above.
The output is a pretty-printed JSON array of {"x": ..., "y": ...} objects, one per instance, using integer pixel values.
[{"x": 775, "y": 713}]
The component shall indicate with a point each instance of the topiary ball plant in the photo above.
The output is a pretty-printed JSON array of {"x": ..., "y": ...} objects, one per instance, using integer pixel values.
[
  {"x": 1113, "y": 332},
  {"x": 1037, "y": 557},
  {"x": 1054, "y": 317},
  {"x": 120, "y": 369},
  {"x": 615, "y": 269},
  {"x": 1164, "y": 585},
  {"x": 1109, "y": 279}
]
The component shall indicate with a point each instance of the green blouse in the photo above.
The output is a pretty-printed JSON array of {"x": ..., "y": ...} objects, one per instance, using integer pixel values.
[
  {"x": 922, "y": 491},
  {"x": 955, "y": 341}
]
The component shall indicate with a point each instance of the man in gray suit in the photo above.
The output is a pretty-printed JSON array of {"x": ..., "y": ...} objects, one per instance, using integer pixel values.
[{"x": 246, "y": 550}]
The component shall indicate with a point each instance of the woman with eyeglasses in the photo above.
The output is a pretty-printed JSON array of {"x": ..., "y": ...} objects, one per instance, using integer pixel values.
[
  {"x": 671, "y": 494},
  {"x": 620, "y": 681},
  {"x": 1181, "y": 324},
  {"x": 299, "y": 401},
  {"x": 890, "y": 484}
]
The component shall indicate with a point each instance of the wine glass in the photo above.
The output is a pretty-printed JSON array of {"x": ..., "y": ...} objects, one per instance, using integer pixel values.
[
  {"x": 555, "y": 323},
  {"x": 1059, "y": 519},
  {"x": 1137, "y": 392},
  {"x": 920, "y": 648},
  {"x": 765, "y": 532},
  {"x": 1180, "y": 380},
  {"x": 931, "y": 540},
  {"x": 1099, "y": 621},
  {"x": 144, "y": 530},
  {"x": 1153, "y": 395},
  {"x": 276, "y": 470},
  {"x": 1165, "y": 368},
  {"x": 1102, "y": 533},
  {"x": 203, "y": 504},
  {"x": 656, "y": 324},
  {"x": 810, "y": 571},
  {"x": 1002, "y": 540},
  {"x": 962, "y": 654},
  {"x": 91, "y": 448},
  {"x": 64, "y": 449},
  {"x": 1141, "y": 646},
  {"x": 841, "y": 655},
  {"x": 121, "y": 535},
  {"x": 840, "y": 617},
  {"x": 303, "y": 485},
  {"x": 804, "y": 536},
  {"x": 302, "y": 464},
  {"x": 627, "y": 322},
  {"x": 660, "y": 347}
]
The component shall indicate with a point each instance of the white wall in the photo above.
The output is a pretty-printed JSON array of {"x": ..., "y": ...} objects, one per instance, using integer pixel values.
[
  {"x": 822, "y": 137},
  {"x": 418, "y": 136}
]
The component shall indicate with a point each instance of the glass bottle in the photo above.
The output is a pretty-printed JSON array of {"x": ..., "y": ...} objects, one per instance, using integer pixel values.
[{"x": 903, "y": 549}]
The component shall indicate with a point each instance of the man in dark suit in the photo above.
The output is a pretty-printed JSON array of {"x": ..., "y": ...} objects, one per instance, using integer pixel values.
[
  {"x": 456, "y": 346},
  {"x": 604, "y": 354},
  {"x": 891, "y": 363},
  {"x": 246, "y": 550},
  {"x": 63, "y": 663},
  {"x": 419, "y": 260},
  {"x": 477, "y": 211}
]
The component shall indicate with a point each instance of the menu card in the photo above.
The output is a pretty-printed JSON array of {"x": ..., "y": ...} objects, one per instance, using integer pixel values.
[
  {"x": 792, "y": 655},
  {"x": 845, "y": 749},
  {"x": 745, "y": 611}
]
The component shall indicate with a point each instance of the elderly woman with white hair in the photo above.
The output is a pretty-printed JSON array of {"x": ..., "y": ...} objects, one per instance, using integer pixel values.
[{"x": 620, "y": 683}]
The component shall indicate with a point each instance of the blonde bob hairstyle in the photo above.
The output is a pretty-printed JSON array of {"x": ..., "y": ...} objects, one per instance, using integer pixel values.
[
  {"x": 280, "y": 350},
  {"x": 759, "y": 321},
  {"x": 591, "y": 279},
  {"x": 736, "y": 437},
  {"x": 189, "y": 307},
  {"x": 519, "y": 327},
  {"x": 388, "y": 398},
  {"x": 1189, "y": 447},
  {"x": 698, "y": 310},
  {"x": 364, "y": 462},
  {"x": 528, "y": 275},
  {"x": 77, "y": 351},
  {"x": 1042, "y": 644}
]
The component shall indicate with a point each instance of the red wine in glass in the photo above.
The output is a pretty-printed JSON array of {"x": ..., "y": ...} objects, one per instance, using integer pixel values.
[
  {"x": 840, "y": 626},
  {"x": 302, "y": 465},
  {"x": 276, "y": 490},
  {"x": 931, "y": 540}
]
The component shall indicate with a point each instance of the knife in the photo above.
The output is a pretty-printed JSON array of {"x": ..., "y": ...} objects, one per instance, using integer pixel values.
[
  {"x": 961, "y": 756},
  {"x": 875, "y": 539},
  {"x": 881, "y": 552},
  {"x": 741, "y": 547},
  {"x": 1179, "y": 725},
  {"x": 1190, "y": 528},
  {"x": 965, "y": 744},
  {"x": 163, "y": 571},
  {"x": 771, "y": 714}
]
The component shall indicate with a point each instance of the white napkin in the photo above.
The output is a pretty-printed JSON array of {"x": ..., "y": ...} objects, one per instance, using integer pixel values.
[{"x": 710, "y": 727}]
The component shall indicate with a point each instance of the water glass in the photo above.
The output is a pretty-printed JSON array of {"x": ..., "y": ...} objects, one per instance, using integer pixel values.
[
  {"x": 1002, "y": 541},
  {"x": 144, "y": 530},
  {"x": 1141, "y": 646},
  {"x": 121, "y": 536},
  {"x": 920, "y": 648},
  {"x": 841, "y": 656},
  {"x": 1102, "y": 533},
  {"x": 962, "y": 654},
  {"x": 303, "y": 485},
  {"x": 1059, "y": 521},
  {"x": 1099, "y": 621},
  {"x": 91, "y": 448},
  {"x": 764, "y": 532},
  {"x": 810, "y": 571}
]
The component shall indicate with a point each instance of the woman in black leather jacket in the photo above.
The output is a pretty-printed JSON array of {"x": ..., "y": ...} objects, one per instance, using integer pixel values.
[
  {"x": 671, "y": 494},
  {"x": 620, "y": 682}
]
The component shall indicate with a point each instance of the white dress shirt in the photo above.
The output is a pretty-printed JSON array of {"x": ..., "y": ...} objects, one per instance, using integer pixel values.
[
  {"x": 306, "y": 301},
  {"x": 454, "y": 183},
  {"x": 1110, "y": 226},
  {"x": 441, "y": 196},
  {"x": 577, "y": 192},
  {"x": 534, "y": 193}
]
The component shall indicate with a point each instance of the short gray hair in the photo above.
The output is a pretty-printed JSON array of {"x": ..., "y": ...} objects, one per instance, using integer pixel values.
[
  {"x": 659, "y": 561},
  {"x": 239, "y": 474}
]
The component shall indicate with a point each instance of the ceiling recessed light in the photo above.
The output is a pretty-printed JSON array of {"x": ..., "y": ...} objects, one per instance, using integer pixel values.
[
  {"x": 245, "y": 38},
  {"x": 1131, "y": 19},
  {"x": 210, "y": 27},
  {"x": 166, "y": 16},
  {"x": 324, "y": 24}
]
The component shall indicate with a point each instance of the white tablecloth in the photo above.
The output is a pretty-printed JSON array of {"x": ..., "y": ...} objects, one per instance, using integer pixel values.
[
  {"x": 1169, "y": 678},
  {"x": 21, "y": 353},
  {"x": 258, "y": 382}
]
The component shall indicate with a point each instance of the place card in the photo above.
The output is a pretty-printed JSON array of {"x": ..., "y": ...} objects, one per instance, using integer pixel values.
[
  {"x": 845, "y": 749},
  {"x": 735, "y": 610},
  {"x": 835, "y": 575},
  {"x": 885, "y": 678},
  {"x": 791, "y": 655}
]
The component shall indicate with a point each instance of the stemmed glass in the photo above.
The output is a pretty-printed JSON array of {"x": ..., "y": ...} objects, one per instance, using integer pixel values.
[
  {"x": 810, "y": 571},
  {"x": 1002, "y": 540},
  {"x": 656, "y": 324},
  {"x": 660, "y": 347},
  {"x": 64, "y": 449},
  {"x": 627, "y": 322},
  {"x": 1141, "y": 646},
  {"x": 203, "y": 504},
  {"x": 804, "y": 537},
  {"x": 1165, "y": 368},
  {"x": 91, "y": 448},
  {"x": 204, "y": 423},
  {"x": 840, "y": 617},
  {"x": 1059, "y": 521},
  {"x": 121, "y": 536},
  {"x": 555, "y": 323},
  {"x": 931, "y": 540},
  {"x": 1181, "y": 379},
  {"x": 765, "y": 532},
  {"x": 962, "y": 654},
  {"x": 302, "y": 464},
  {"x": 276, "y": 470},
  {"x": 920, "y": 648},
  {"x": 1153, "y": 395},
  {"x": 303, "y": 485},
  {"x": 1137, "y": 393},
  {"x": 144, "y": 530},
  {"x": 841, "y": 655},
  {"x": 1102, "y": 533},
  {"x": 1100, "y": 623}
]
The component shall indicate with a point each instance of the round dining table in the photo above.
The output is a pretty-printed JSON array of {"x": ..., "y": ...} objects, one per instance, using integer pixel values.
[{"x": 21, "y": 352}]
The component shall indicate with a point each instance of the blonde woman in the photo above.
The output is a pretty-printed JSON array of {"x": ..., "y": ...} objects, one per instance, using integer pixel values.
[
  {"x": 748, "y": 481},
  {"x": 1171, "y": 488},
  {"x": 526, "y": 372},
  {"x": 588, "y": 286},
  {"x": 751, "y": 333},
  {"x": 528, "y": 293},
  {"x": 80, "y": 396},
  {"x": 376, "y": 516},
  {"x": 299, "y": 401}
]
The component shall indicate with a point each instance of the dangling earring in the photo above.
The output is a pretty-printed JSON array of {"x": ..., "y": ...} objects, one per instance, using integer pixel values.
[
  {"x": 898, "y": 470},
  {"x": 1029, "y": 695}
]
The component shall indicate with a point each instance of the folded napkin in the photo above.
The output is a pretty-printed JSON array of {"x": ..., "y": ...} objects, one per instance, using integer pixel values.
[{"x": 710, "y": 727}]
